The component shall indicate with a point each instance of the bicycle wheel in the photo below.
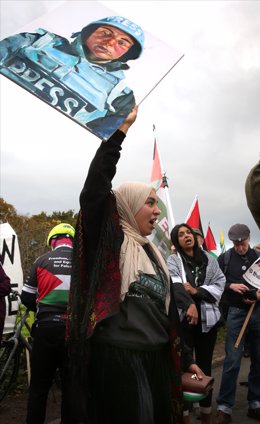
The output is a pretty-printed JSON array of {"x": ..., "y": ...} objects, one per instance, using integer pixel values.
[{"x": 9, "y": 376}]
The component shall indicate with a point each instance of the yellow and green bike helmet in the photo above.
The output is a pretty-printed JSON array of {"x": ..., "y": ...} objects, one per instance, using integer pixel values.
[{"x": 60, "y": 229}]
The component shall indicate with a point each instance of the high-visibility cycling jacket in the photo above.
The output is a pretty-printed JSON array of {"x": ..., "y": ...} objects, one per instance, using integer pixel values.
[{"x": 46, "y": 289}]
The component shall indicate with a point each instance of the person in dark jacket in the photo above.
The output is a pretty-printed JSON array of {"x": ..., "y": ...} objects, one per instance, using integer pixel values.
[
  {"x": 252, "y": 190},
  {"x": 5, "y": 289},
  {"x": 123, "y": 335},
  {"x": 46, "y": 291},
  {"x": 239, "y": 298}
]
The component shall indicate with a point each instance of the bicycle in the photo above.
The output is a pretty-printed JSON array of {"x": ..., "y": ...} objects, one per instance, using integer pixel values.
[{"x": 10, "y": 353}]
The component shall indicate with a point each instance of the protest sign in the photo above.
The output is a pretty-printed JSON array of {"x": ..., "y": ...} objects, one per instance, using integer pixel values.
[
  {"x": 252, "y": 275},
  {"x": 87, "y": 62},
  {"x": 11, "y": 261}
]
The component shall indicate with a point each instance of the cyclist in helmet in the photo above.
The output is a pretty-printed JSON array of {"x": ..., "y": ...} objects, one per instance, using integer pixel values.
[
  {"x": 83, "y": 77},
  {"x": 45, "y": 291}
]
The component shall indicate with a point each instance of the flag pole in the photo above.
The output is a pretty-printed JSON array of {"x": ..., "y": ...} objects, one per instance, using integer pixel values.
[
  {"x": 169, "y": 206},
  {"x": 165, "y": 185},
  {"x": 249, "y": 313},
  {"x": 141, "y": 101}
]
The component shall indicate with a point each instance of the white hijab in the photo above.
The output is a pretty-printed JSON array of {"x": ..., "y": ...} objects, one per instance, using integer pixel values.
[{"x": 130, "y": 198}]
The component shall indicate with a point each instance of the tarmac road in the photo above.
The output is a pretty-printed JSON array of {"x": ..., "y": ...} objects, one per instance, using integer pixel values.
[
  {"x": 13, "y": 408},
  {"x": 240, "y": 409}
]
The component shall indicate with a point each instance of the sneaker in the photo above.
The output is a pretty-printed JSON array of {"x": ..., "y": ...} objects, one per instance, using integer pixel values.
[
  {"x": 222, "y": 418},
  {"x": 254, "y": 413}
]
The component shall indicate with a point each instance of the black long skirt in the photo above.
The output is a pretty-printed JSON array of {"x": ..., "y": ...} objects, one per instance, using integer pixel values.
[{"x": 130, "y": 386}]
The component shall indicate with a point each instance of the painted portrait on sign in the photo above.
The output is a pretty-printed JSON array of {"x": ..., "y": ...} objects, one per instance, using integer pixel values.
[{"x": 82, "y": 75}]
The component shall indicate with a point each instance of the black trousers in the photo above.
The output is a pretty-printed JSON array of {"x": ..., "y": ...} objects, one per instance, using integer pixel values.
[{"x": 48, "y": 355}]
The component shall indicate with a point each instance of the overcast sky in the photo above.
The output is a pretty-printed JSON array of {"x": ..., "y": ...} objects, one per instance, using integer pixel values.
[{"x": 206, "y": 113}]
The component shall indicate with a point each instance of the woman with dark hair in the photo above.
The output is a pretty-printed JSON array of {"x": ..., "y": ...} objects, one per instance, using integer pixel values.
[{"x": 198, "y": 284}]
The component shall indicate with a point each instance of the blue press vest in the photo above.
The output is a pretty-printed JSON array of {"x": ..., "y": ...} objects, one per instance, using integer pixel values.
[{"x": 81, "y": 89}]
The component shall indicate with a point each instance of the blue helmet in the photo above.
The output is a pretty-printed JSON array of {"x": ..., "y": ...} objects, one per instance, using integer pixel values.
[{"x": 125, "y": 25}]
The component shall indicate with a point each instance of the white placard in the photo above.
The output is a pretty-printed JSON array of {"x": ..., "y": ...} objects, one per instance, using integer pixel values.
[
  {"x": 252, "y": 275},
  {"x": 11, "y": 261}
]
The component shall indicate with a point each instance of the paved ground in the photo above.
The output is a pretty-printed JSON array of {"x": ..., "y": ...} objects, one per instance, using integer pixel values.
[
  {"x": 239, "y": 412},
  {"x": 13, "y": 409},
  {"x": 240, "y": 409}
]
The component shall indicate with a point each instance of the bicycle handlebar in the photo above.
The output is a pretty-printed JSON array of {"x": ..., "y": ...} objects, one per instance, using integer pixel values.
[{"x": 15, "y": 295}]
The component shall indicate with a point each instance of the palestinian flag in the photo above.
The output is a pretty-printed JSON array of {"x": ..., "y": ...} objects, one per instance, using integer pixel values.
[
  {"x": 210, "y": 243},
  {"x": 161, "y": 234},
  {"x": 193, "y": 218}
]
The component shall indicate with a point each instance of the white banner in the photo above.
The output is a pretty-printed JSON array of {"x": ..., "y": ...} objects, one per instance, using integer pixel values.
[
  {"x": 11, "y": 261},
  {"x": 252, "y": 275}
]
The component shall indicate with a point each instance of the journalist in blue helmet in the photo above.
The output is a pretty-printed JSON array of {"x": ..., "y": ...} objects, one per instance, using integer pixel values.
[{"x": 83, "y": 77}]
